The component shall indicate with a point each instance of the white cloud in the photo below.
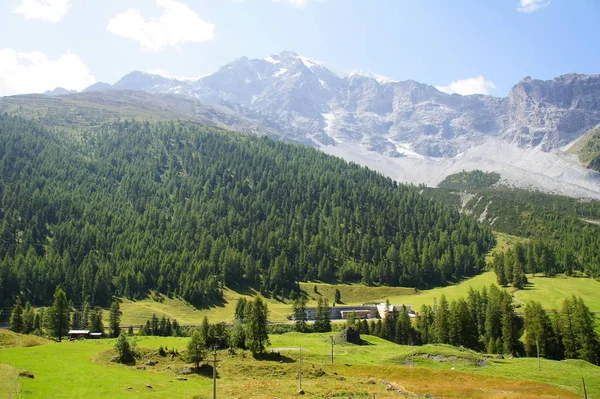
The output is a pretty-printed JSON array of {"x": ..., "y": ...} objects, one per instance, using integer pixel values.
[
  {"x": 48, "y": 10},
  {"x": 296, "y": 3},
  {"x": 34, "y": 73},
  {"x": 530, "y": 6},
  {"x": 177, "y": 24},
  {"x": 465, "y": 87}
]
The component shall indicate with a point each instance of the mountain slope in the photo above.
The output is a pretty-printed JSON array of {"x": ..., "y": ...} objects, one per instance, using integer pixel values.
[
  {"x": 408, "y": 130},
  {"x": 125, "y": 207}
]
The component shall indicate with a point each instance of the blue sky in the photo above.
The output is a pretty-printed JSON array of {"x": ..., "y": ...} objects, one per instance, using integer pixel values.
[{"x": 481, "y": 45}]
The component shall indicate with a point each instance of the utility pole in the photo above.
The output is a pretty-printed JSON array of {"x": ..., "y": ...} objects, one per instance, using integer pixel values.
[
  {"x": 537, "y": 345},
  {"x": 214, "y": 362},
  {"x": 300, "y": 374},
  {"x": 331, "y": 349}
]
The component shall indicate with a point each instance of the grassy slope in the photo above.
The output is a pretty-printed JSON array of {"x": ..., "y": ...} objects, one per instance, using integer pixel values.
[
  {"x": 81, "y": 369},
  {"x": 587, "y": 147},
  {"x": 549, "y": 291},
  {"x": 9, "y": 339}
]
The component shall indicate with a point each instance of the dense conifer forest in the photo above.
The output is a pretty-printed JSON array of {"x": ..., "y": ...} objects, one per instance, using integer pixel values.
[
  {"x": 186, "y": 209},
  {"x": 564, "y": 232}
]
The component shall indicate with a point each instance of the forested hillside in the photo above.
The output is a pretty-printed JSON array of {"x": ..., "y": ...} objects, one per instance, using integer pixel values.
[
  {"x": 568, "y": 228},
  {"x": 183, "y": 208}
]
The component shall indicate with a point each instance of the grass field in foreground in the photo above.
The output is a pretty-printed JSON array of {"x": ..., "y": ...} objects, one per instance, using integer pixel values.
[{"x": 83, "y": 369}]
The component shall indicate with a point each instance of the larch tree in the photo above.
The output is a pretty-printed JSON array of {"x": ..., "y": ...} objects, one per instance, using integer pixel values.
[{"x": 57, "y": 315}]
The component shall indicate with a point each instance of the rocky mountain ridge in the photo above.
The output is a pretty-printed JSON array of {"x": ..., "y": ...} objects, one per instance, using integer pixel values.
[{"x": 311, "y": 104}]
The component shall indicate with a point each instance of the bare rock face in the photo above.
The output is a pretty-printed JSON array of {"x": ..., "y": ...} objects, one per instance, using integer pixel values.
[{"x": 552, "y": 113}]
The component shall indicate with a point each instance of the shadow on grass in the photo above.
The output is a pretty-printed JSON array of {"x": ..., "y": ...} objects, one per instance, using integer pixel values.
[
  {"x": 206, "y": 370},
  {"x": 274, "y": 357}
]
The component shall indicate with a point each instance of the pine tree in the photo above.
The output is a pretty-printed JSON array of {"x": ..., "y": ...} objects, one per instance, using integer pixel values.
[
  {"x": 176, "y": 328},
  {"x": 96, "y": 323},
  {"x": 124, "y": 349},
  {"x": 28, "y": 318},
  {"x": 299, "y": 311},
  {"x": 86, "y": 318},
  {"x": 588, "y": 345},
  {"x": 114, "y": 320},
  {"x": 510, "y": 331},
  {"x": 539, "y": 331},
  {"x": 155, "y": 325},
  {"x": 196, "y": 349},
  {"x": 76, "y": 320},
  {"x": 238, "y": 334},
  {"x": 58, "y": 315},
  {"x": 465, "y": 327},
  {"x": 168, "y": 329},
  {"x": 322, "y": 316},
  {"x": 205, "y": 330},
  {"x": 405, "y": 334},
  {"x": 441, "y": 326},
  {"x": 240, "y": 308},
  {"x": 16, "y": 318},
  {"x": 257, "y": 337}
]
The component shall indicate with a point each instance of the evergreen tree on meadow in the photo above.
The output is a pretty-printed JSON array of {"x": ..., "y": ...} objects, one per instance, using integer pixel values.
[
  {"x": 240, "y": 308},
  {"x": 57, "y": 315},
  {"x": 205, "y": 329},
  {"x": 510, "y": 330},
  {"x": 579, "y": 338},
  {"x": 28, "y": 318},
  {"x": 257, "y": 337},
  {"x": 441, "y": 324},
  {"x": 405, "y": 333},
  {"x": 196, "y": 348},
  {"x": 424, "y": 325},
  {"x": 96, "y": 322},
  {"x": 238, "y": 334},
  {"x": 76, "y": 320},
  {"x": 539, "y": 332},
  {"x": 114, "y": 320},
  {"x": 299, "y": 312},
  {"x": 86, "y": 317},
  {"x": 322, "y": 316},
  {"x": 16, "y": 318}
]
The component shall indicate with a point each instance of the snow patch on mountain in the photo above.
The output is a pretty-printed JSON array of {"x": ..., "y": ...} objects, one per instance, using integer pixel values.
[{"x": 367, "y": 74}]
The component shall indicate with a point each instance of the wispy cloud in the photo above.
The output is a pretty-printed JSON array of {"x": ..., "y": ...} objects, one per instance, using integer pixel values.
[
  {"x": 178, "y": 24},
  {"x": 35, "y": 73},
  {"x": 297, "y": 3},
  {"x": 468, "y": 86},
  {"x": 47, "y": 10},
  {"x": 529, "y": 6}
]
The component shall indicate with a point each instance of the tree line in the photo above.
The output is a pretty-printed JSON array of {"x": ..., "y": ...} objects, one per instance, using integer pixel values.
[
  {"x": 487, "y": 321},
  {"x": 183, "y": 209}
]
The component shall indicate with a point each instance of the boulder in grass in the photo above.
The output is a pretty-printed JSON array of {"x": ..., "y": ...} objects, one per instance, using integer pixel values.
[{"x": 27, "y": 374}]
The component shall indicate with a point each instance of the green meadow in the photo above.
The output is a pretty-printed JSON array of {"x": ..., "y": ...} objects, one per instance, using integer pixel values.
[
  {"x": 551, "y": 292},
  {"x": 83, "y": 369}
]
